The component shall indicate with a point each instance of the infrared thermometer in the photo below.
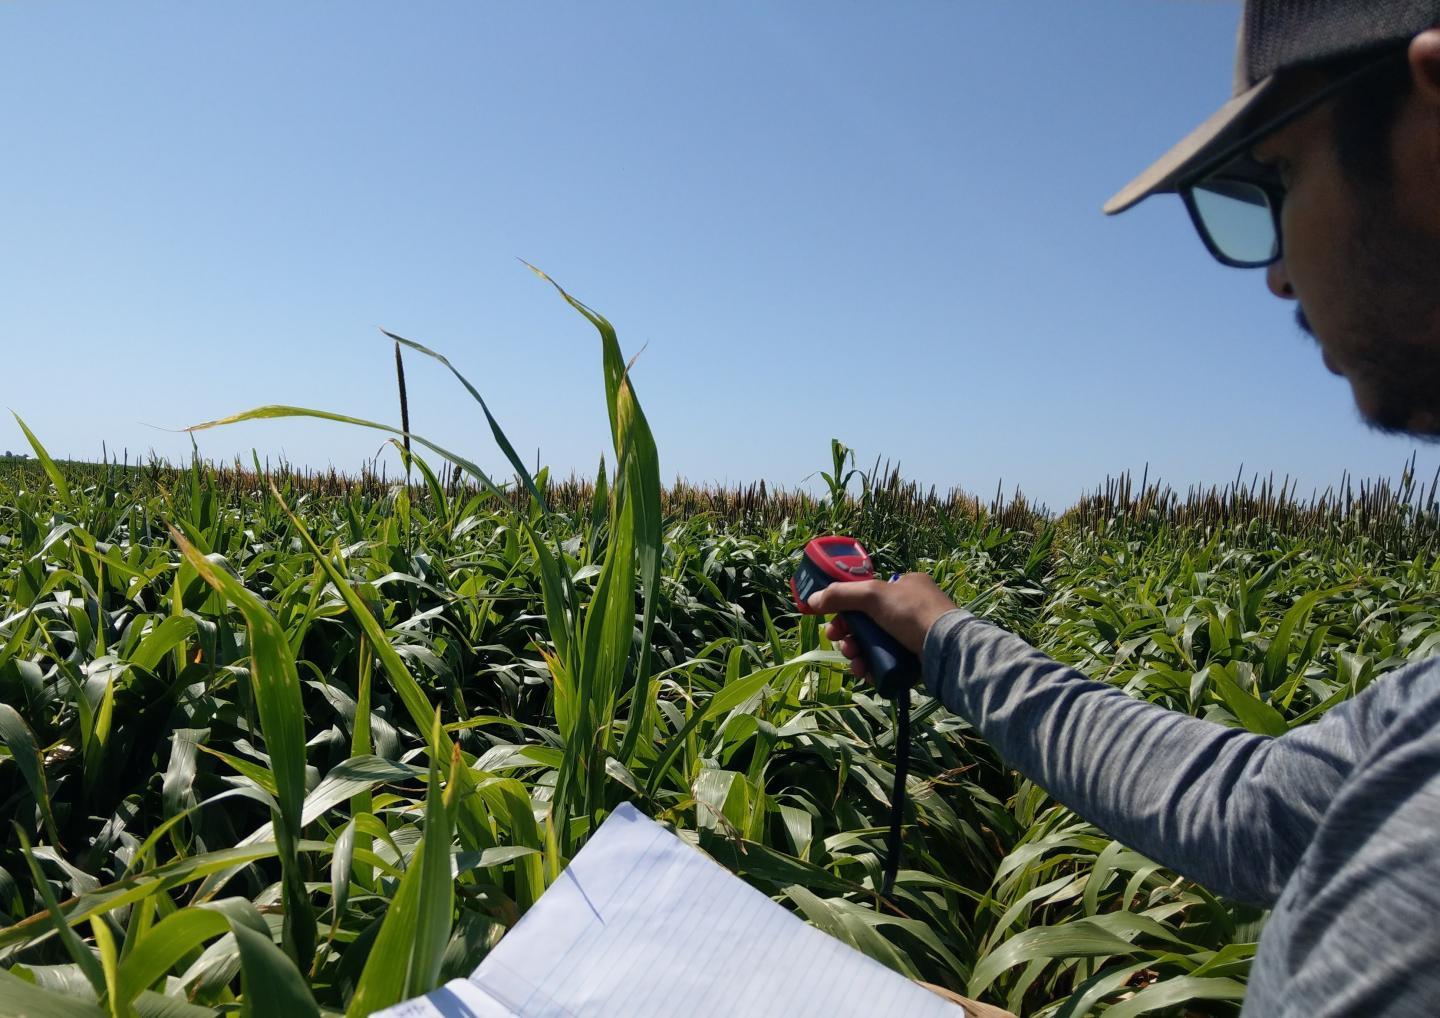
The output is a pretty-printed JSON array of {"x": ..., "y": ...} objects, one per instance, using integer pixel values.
[{"x": 828, "y": 560}]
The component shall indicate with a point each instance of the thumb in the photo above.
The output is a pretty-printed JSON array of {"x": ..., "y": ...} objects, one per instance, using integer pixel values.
[{"x": 844, "y": 597}]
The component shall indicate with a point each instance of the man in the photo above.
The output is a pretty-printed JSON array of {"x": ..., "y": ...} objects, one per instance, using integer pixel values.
[{"x": 1324, "y": 168}]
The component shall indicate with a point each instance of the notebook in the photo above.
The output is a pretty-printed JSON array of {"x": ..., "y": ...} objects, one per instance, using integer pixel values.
[{"x": 642, "y": 925}]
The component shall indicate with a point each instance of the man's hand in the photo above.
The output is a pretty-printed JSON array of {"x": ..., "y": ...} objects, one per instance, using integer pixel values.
[{"x": 906, "y": 609}]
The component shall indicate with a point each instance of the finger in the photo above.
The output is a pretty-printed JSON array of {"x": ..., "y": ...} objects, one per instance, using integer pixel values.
[
  {"x": 840, "y": 597},
  {"x": 841, "y": 641},
  {"x": 837, "y": 629}
]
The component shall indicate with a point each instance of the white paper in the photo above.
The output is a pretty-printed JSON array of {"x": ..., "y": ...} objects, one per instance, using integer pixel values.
[
  {"x": 459, "y": 998},
  {"x": 640, "y": 924}
]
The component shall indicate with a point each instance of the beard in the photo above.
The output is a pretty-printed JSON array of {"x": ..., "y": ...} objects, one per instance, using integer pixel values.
[{"x": 1391, "y": 336}]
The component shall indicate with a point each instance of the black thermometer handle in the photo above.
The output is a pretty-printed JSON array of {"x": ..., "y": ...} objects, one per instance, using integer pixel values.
[{"x": 892, "y": 668}]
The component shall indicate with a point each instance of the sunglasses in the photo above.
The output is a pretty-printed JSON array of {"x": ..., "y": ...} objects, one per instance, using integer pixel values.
[{"x": 1235, "y": 202}]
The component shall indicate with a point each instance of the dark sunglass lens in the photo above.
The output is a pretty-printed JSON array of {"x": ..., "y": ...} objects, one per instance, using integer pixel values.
[{"x": 1237, "y": 216}]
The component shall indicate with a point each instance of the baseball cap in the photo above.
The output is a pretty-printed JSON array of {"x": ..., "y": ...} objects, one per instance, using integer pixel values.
[{"x": 1275, "y": 36}]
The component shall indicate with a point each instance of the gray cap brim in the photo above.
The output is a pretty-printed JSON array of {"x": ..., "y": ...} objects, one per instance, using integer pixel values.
[{"x": 1226, "y": 127}]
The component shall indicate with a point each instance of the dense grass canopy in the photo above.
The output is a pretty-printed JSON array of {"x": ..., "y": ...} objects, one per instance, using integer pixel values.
[{"x": 297, "y": 745}]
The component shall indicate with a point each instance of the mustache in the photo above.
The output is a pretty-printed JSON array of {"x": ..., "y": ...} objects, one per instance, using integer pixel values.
[{"x": 1303, "y": 320}]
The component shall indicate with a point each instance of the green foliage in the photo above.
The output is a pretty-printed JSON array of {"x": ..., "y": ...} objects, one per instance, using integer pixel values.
[{"x": 252, "y": 723}]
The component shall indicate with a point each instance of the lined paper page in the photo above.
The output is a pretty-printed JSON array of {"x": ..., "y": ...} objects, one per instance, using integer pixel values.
[
  {"x": 641, "y": 925},
  {"x": 459, "y": 998}
]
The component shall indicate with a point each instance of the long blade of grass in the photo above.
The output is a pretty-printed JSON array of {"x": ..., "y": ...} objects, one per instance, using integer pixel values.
[
  {"x": 110, "y": 965},
  {"x": 638, "y": 463},
  {"x": 437, "y": 890},
  {"x": 274, "y": 412},
  {"x": 137, "y": 886},
  {"x": 1177, "y": 990},
  {"x": 57, "y": 477},
  {"x": 81, "y": 955},
  {"x": 1080, "y": 939},
  {"x": 498, "y": 432},
  {"x": 18, "y": 738},
  {"x": 282, "y": 720},
  {"x": 405, "y": 958}
]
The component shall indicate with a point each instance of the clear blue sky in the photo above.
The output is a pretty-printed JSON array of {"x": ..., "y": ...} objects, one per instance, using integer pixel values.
[{"x": 875, "y": 221}]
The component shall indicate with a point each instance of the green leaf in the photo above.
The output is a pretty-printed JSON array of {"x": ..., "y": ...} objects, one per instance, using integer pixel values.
[
  {"x": 437, "y": 889},
  {"x": 273, "y": 412},
  {"x": 1082, "y": 939},
  {"x": 20, "y": 999},
  {"x": 836, "y": 918},
  {"x": 79, "y": 953},
  {"x": 632, "y": 562},
  {"x": 344, "y": 780},
  {"x": 18, "y": 738},
  {"x": 138, "y": 886},
  {"x": 57, "y": 477},
  {"x": 176, "y": 936},
  {"x": 272, "y": 984},
  {"x": 387, "y": 969},
  {"x": 558, "y": 610},
  {"x": 261, "y": 775},
  {"x": 171, "y": 633},
  {"x": 341, "y": 864},
  {"x": 731, "y": 696},
  {"x": 472, "y": 824},
  {"x": 1177, "y": 990},
  {"x": 110, "y": 965},
  {"x": 282, "y": 720},
  {"x": 1278, "y": 656},
  {"x": 1255, "y": 714},
  {"x": 758, "y": 862},
  {"x": 1087, "y": 995},
  {"x": 177, "y": 785},
  {"x": 516, "y": 463}
]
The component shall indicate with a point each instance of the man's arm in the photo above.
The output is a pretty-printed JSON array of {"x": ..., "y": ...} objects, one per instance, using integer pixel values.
[{"x": 1227, "y": 808}]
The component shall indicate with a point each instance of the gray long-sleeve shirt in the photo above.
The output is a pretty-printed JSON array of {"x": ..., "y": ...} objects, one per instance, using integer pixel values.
[{"x": 1335, "y": 826}]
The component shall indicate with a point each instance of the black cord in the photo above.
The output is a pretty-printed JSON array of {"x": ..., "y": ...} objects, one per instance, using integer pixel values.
[{"x": 897, "y": 794}]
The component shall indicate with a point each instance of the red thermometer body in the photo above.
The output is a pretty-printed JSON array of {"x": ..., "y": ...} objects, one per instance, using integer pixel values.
[{"x": 830, "y": 560}]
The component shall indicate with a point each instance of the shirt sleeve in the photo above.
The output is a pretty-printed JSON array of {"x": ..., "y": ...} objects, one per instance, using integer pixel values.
[
  {"x": 1229, "y": 809},
  {"x": 1348, "y": 936}
]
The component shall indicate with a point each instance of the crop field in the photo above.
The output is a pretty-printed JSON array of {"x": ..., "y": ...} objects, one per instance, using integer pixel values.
[{"x": 279, "y": 744}]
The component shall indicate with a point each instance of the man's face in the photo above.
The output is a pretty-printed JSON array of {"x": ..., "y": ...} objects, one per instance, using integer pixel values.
[{"x": 1362, "y": 257}]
